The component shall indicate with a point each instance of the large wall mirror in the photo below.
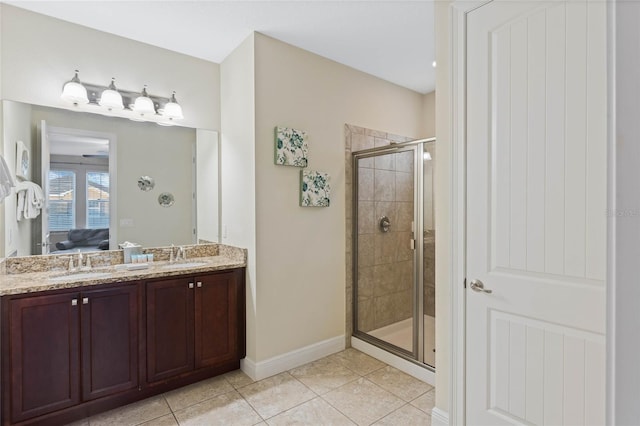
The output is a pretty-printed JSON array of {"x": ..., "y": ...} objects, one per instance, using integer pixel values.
[{"x": 105, "y": 180}]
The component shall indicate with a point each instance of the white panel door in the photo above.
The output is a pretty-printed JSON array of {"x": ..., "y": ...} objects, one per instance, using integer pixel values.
[{"x": 536, "y": 200}]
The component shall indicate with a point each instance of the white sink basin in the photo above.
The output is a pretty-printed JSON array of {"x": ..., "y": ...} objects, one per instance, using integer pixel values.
[
  {"x": 80, "y": 276},
  {"x": 184, "y": 265}
]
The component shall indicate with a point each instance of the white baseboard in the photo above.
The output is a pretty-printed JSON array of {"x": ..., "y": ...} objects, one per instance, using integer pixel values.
[
  {"x": 395, "y": 361},
  {"x": 439, "y": 417},
  {"x": 272, "y": 366}
]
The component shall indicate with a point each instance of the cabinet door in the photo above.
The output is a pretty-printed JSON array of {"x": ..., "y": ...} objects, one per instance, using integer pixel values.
[
  {"x": 44, "y": 354},
  {"x": 109, "y": 325},
  {"x": 169, "y": 328},
  {"x": 216, "y": 317}
]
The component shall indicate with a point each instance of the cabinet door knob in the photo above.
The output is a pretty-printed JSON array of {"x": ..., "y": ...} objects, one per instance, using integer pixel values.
[
  {"x": 74, "y": 302},
  {"x": 199, "y": 284},
  {"x": 190, "y": 285},
  {"x": 85, "y": 300}
]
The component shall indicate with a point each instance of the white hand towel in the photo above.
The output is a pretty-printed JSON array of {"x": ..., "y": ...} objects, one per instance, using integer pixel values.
[
  {"x": 6, "y": 180},
  {"x": 30, "y": 200}
]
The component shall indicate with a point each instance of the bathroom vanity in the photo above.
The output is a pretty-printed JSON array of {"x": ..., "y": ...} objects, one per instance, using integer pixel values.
[{"x": 72, "y": 348}]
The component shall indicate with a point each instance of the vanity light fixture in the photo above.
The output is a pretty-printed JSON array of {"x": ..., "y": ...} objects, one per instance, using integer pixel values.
[
  {"x": 172, "y": 110},
  {"x": 111, "y": 98},
  {"x": 143, "y": 104},
  {"x": 110, "y": 101},
  {"x": 74, "y": 92},
  {"x": 427, "y": 155}
]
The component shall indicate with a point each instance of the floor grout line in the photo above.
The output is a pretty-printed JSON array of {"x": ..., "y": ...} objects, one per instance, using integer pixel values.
[{"x": 335, "y": 369}]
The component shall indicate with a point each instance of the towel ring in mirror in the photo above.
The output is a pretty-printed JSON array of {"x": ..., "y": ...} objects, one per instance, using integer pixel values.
[{"x": 166, "y": 199}]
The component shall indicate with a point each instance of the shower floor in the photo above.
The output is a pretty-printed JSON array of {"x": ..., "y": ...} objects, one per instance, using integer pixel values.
[{"x": 401, "y": 334}]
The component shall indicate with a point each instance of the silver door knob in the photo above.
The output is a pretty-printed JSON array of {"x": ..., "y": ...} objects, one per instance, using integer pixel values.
[{"x": 477, "y": 285}]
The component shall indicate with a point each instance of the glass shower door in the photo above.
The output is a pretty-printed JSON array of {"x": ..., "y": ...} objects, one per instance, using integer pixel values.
[{"x": 385, "y": 263}]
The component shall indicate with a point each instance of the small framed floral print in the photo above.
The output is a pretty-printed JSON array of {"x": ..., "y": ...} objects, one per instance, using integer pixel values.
[
  {"x": 315, "y": 189},
  {"x": 291, "y": 147}
]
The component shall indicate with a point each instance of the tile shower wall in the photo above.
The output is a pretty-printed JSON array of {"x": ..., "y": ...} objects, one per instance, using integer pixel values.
[{"x": 385, "y": 280}]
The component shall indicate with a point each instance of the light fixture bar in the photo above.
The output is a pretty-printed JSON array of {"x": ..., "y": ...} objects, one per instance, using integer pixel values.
[{"x": 128, "y": 97}]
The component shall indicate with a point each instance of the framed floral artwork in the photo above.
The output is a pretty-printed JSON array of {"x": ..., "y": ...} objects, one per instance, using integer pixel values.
[
  {"x": 291, "y": 147},
  {"x": 315, "y": 189},
  {"x": 22, "y": 161}
]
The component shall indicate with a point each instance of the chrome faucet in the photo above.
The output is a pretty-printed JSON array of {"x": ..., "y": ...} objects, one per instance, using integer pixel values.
[
  {"x": 70, "y": 266},
  {"x": 176, "y": 254},
  {"x": 173, "y": 257}
]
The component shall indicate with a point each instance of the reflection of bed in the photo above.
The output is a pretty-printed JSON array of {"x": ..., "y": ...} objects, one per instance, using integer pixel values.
[{"x": 85, "y": 240}]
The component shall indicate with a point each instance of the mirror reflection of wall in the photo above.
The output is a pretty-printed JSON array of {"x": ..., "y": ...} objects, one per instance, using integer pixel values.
[{"x": 166, "y": 153}]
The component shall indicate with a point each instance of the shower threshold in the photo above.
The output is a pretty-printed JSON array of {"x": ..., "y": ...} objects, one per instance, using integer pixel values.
[{"x": 401, "y": 334}]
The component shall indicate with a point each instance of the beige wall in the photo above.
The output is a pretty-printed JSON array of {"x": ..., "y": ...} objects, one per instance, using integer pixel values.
[
  {"x": 238, "y": 177},
  {"x": 429, "y": 114},
  {"x": 40, "y": 53},
  {"x": 442, "y": 196},
  {"x": 300, "y": 251}
]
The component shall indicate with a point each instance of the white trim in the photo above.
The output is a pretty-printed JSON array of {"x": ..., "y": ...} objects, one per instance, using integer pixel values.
[
  {"x": 439, "y": 417},
  {"x": 272, "y": 366},
  {"x": 113, "y": 188},
  {"x": 611, "y": 220},
  {"x": 248, "y": 366},
  {"x": 411, "y": 368},
  {"x": 457, "y": 208}
]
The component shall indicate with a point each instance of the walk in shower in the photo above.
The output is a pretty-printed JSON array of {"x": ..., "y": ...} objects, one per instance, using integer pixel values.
[{"x": 394, "y": 249}]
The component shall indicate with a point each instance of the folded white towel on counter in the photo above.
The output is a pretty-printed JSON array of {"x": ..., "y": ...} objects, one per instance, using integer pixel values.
[
  {"x": 6, "y": 180},
  {"x": 30, "y": 200}
]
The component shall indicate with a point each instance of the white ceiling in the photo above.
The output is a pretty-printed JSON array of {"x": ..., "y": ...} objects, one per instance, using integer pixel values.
[
  {"x": 76, "y": 145},
  {"x": 393, "y": 40}
]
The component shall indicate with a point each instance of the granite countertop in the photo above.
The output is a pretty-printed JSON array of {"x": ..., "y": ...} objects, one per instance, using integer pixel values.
[{"x": 29, "y": 282}]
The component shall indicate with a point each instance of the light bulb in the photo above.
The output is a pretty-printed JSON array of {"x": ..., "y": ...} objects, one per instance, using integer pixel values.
[
  {"x": 111, "y": 98},
  {"x": 144, "y": 104},
  {"x": 74, "y": 92},
  {"x": 172, "y": 110}
]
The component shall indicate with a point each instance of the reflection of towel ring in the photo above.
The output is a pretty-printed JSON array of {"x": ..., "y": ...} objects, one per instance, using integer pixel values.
[
  {"x": 385, "y": 224},
  {"x": 146, "y": 183}
]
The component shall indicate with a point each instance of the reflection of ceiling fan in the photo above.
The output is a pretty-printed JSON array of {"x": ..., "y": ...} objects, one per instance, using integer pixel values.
[{"x": 99, "y": 154}]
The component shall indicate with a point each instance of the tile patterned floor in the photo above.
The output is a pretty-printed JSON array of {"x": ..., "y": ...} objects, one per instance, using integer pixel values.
[{"x": 346, "y": 388}]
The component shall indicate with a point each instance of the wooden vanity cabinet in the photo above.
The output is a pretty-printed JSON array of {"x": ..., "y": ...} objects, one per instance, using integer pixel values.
[
  {"x": 44, "y": 355},
  {"x": 68, "y": 347},
  {"x": 194, "y": 323},
  {"x": 68, "y": 354}
]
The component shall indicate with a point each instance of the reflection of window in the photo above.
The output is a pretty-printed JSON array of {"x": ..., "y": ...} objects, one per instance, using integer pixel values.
[
  {"x": 97, "y": 199},
  {"x": 62, "y": 200},
  {"x": 78, "y": 198}
]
